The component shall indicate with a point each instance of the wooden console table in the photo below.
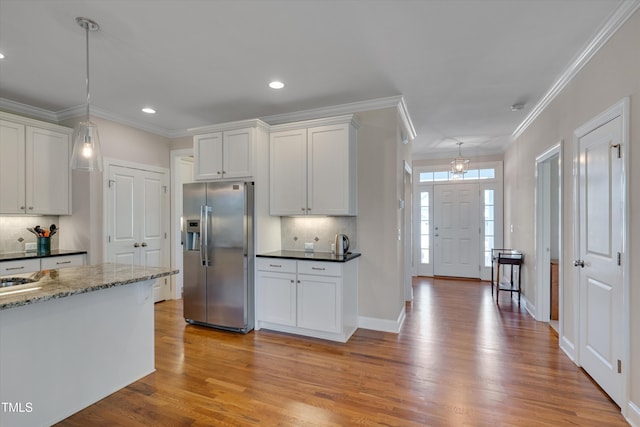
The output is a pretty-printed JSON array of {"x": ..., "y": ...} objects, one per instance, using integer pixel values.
[{"x": 512, "y": 258}]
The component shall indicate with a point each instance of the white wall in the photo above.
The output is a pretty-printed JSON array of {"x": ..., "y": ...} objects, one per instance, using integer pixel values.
[
  {"x": 379, "y": 189},
  {"x": 84, "y": 228},
  {"x": 612, "y": 74}
]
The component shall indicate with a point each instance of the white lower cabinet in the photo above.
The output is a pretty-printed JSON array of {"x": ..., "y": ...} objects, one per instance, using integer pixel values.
[
  {"x": 32, "y": 265},
  {"x": 312, "y": 298}
]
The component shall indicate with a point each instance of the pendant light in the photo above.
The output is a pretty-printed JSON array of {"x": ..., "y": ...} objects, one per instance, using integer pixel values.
[
  {"x": 459, "y": 165},
  {"x": 86, "y": 155}
]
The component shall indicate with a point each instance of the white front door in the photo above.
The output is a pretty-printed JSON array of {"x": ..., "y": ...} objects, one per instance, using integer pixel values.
[
  {"x": 456, "y": 230},
  {"x": 136, "y": 219},
  {"x": 600, "y": 212}
]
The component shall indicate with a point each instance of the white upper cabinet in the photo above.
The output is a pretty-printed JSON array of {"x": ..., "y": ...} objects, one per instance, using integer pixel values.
[
  {"x": 35, "y": 177},
  {"x": 313, "y": 168},
  {"x": 288, "y": 172},
  {"x": 224, "y": 155}
]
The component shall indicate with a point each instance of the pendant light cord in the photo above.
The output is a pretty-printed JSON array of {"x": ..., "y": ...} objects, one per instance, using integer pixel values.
[{"x": 86, "y": 29}]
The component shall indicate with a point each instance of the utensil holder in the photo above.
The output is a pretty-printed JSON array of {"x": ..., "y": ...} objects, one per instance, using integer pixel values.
[{"x": 43, "y": 246}]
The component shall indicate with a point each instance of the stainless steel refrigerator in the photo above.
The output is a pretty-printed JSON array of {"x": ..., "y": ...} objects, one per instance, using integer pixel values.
[{"x": 218, "y": 254}]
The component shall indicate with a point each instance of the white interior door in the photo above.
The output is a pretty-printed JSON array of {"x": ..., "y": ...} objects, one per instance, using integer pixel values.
[
  {"x": 456, "y": 230},
  {"x": 136, "y": 220},
  {"x": 122, "y": 226},
  {"x": 600, "y": 246}
]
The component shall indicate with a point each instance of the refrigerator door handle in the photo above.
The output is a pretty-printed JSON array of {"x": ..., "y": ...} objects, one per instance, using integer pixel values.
[
  {"x": 207, "y": 217},
  {"x": 203, "y": 241}
]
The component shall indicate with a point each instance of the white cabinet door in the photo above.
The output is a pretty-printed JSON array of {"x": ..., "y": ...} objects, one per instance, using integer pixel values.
[
  {"x": 48, "y": 176},
  {"x": 236, "y": 153},
  {"x": 319, "y": 303},
  {"x": 276, "y": 298},
  {"x": 329, "y": 168},
  {"x": 288, "y": 172},
  {"x": 222, "y": 155},
  {"x": 12, "y": 168},
  {"x": 207, "y": 151}
]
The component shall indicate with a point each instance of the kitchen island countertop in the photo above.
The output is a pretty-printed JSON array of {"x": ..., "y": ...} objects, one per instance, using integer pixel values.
[
  {"x": 54, "y": 284},
  {"x": 310, "y": 256}
]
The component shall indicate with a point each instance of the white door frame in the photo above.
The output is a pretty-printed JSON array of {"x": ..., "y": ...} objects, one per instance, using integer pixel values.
[
  {"x": 176, "y": 232},
  {"x": 542, "y": 302},
  {"x": 407, "y": 232},
  {"x": 620, "y": 109}
]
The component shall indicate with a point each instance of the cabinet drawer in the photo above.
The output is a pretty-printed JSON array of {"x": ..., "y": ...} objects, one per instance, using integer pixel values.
[
  {"x": 19, "y": 266},
  {"x": 62, "y": 262},
  {"x": 319, "y": 268},
  {"x": 276, "y": 264}
]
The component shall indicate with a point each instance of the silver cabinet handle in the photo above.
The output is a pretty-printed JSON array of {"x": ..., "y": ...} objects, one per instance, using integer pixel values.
[
  {"x": 15, "y": 268},
  {"x": 63, "y": 262},
  {"x": 136, "y": 245},
  {"x": 275, "y": 265},
  {"x": 22, "y": 208},
  {"x": 292, "y": 280},
  {"x": 144, "y": 244},
  {"x": 30, "y": 208},
  {"x": 318, "y": 268}
]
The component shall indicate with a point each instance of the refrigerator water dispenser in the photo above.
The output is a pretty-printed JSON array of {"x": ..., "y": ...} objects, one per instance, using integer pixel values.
[{"x": 193, "y": 235}]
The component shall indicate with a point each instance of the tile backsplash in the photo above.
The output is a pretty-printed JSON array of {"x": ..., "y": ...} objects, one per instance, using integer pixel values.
[
  {"x": 321, "y": 231},
  {"x": 13, "y": 228}
]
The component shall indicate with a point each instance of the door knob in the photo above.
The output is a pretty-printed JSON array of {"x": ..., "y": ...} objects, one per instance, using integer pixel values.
[
  {"x": 578, "y": 263},
  {"x": 144, "y": 244},
  {"x": 136, "y": 245}
]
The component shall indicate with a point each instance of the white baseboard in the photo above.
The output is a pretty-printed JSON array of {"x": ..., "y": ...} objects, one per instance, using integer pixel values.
[
  {"x": 528, "y": 306},
  {"x": 383, "y": 325},
  {"x": 569, "y": 349},
  {"x": 633, "y": 414}
]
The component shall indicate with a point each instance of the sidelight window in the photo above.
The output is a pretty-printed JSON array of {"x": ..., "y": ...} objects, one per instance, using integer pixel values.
[{"x": 424, "y": 227}]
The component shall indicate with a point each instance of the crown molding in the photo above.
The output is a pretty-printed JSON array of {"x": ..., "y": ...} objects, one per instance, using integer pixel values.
[
  {"x": 35, "y": 112},
  {"x": 397, "y": 102},
  {"x": 327, "y": 121},
  {"x": 228, "y": 126},
  {"x": 615, "y": 21},
  {"x": 345, "y": 109},
  {"x": 80, "y": 111}
]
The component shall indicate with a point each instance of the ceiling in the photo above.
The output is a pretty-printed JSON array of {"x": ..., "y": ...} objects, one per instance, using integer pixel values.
[{"x": 459, "y": 64}]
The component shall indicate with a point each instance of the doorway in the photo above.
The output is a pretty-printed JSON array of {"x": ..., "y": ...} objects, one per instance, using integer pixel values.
[
  {"x": 467, "y": 224},
  {"x": 548, "y": 241}
]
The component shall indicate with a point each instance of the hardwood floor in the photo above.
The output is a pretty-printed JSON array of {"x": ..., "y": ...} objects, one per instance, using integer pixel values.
[{"x": 459, "y": 360}]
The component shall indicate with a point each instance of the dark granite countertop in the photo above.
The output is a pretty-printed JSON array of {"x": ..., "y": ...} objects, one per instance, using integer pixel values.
[
  {"x": 70, "y": 281},
  {"x": 16, "y": 256},
  {"x": 311, "y": 256}
]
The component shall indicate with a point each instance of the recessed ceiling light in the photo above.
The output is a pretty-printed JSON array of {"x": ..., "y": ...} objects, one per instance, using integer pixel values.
[
  {"x": 1, "y": 55},
  {"x": 517, "y": 107},
  {"x": 276, "y": 85},
  {"x": 148, "y": 110}
]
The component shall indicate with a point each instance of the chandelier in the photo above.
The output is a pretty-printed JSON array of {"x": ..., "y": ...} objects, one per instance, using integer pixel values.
[{"x": 459, "y": 165}]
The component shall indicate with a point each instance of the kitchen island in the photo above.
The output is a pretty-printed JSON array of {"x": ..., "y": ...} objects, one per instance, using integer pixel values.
[{"x": 72, "y": 337}]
